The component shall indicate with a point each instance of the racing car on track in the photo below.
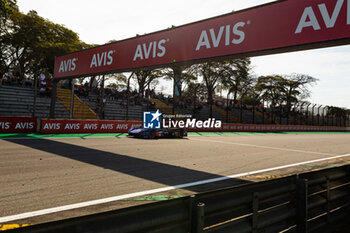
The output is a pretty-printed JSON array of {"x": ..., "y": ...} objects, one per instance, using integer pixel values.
[{"x": 157, "y": 133}]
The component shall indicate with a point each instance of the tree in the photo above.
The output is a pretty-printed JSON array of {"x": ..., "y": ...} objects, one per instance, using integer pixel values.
[
  {"x": 285, "y": 89},
  {"x": 193, "y": 92},
  {"x": 117, "y": 81},
  {"x": 144, "y": 78},
  {"x": 294, "y": 87},
  {"x": 237, "y": 71},
  {"x": 32, "y": 43},
  {"x": 7, "y": 8},
  {"x": 269, "y": 89},
  {"x": 197, "y": 90},
  {"x": 212, "y": 73},
  {"x": 181, "y": 76}
]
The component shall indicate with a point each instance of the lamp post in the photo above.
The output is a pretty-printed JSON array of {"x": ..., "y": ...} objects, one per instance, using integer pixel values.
[{"x": 128, "y": 97}]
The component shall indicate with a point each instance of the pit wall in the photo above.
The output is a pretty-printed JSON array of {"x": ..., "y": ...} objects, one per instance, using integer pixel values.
[{"x": 61, "y": 126}]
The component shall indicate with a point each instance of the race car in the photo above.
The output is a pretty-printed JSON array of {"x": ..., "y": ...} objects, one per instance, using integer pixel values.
[{"x": 157, "y": 133}]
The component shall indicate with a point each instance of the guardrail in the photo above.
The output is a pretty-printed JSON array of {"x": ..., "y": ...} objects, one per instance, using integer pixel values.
[{"x": 315, "y": 201}]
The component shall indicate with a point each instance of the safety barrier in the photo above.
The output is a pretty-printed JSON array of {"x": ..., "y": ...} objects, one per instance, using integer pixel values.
[
  {"x": 310, "y": 202},
  {"x": 64, "y": 126}
]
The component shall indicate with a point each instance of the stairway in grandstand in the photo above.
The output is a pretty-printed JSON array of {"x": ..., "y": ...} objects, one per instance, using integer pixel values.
[
  {"x": 19, "y": 101},
  {"x": 80, "y": 109}
]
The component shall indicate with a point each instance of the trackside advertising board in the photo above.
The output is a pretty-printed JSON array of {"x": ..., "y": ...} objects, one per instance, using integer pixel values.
[
  {"x": 18, "y": 125},
  {"x": 92, "y": 126},
  {"x": 86, "y": 126},
  {"x": 281, "y": 26}
]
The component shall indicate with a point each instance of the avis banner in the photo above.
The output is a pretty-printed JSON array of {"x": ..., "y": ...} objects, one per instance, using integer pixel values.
[
  {"x": 94, "y": 126},
  {"x": 18, "y": 125},
  {"x": 280, "y": 26},
  {"x": 86, "y": 126}
]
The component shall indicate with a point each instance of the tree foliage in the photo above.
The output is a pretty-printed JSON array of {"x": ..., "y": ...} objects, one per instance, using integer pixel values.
[
  {"x": 237, "y": 75},
  {"x": 145, "y": 78},
  {"x": 284, "y": 89},
  {"x": 181, "y": 76},
  {"x": 117, "y": 81},
  {"x": 29, "y": 43},
  {"x": 212, "y": 74}
]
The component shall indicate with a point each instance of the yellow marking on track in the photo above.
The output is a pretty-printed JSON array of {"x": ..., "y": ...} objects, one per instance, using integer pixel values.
[
  {"x": 265, "y": 177},
  {"x": 4, "y": 227}
]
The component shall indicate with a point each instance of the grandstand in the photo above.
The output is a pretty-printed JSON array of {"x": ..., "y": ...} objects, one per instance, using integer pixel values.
[
  {"x": 115, "y": 109},
  {"x": 19, "y": 101}
]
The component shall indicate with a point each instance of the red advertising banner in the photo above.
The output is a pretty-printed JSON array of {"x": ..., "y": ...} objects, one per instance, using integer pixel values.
[
  {"x": 285, "y": 25},
  {"x": 94, "y": 126},
  {"x": 18, "y": 125},
  {"x": 86, "y": 126}
]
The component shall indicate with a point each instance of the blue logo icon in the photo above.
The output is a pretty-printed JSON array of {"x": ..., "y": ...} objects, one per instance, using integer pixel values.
[{"x": 151, "y": 120}]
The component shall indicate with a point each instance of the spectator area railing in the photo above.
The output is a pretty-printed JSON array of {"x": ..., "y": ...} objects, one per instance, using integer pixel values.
[{"x": 316, "y": 201}]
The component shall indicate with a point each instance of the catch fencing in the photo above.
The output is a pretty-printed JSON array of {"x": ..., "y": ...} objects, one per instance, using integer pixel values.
[{"x": 311, "y": 202}]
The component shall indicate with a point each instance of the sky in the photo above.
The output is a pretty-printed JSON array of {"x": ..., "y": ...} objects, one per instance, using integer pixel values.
[{"x": 98, "y": 22}]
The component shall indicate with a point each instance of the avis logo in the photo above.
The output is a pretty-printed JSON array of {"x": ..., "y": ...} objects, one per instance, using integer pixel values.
[
  {"x": 68, "y": 65},
  {"x": 329, "y": 16},
  {"x": 152, "y": 50},
  {"x": 151, "y": 120},
  {"x": 102, "y": 59},
  {"x": 226, "y": 33}
]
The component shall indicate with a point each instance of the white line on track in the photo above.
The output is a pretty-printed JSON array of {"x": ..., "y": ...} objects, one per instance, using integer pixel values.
[
  {"x": 152, "y": 191},
  {"x": 265, "y": 147}
]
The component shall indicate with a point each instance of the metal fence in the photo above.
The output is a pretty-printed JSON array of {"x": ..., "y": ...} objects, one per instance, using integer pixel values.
[{"x": 310, "y": 202}]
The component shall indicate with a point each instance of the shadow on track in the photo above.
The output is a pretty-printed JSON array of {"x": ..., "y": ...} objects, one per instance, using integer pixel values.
[{"x": 162, "y": 173}]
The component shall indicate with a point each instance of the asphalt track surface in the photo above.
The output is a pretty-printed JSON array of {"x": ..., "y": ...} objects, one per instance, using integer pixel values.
[{"x": 37, "y": 174}]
